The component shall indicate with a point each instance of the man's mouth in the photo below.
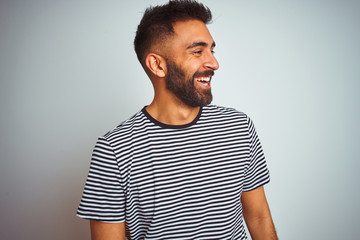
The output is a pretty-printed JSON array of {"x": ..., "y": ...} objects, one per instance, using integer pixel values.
[{"x": 205, "y": 81}]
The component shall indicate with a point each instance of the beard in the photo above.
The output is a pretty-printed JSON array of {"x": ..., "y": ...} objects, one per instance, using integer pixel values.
[{"x": 185, "y": 89}]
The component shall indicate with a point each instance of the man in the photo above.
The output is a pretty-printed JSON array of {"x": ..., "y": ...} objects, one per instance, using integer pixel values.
[{"x": 179, "y": 168}]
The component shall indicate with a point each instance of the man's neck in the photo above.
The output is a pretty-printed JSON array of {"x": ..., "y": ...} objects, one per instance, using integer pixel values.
[{"x": 172, "y": 113}]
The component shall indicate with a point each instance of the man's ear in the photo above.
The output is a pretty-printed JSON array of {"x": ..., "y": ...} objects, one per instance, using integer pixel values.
[{"x": 156, "y": 64}]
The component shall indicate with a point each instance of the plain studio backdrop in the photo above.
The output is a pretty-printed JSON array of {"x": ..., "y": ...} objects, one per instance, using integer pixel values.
[{"x": 69, "y": 74}]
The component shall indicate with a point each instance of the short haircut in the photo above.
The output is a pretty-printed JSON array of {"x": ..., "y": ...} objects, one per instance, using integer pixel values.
[{"x": 157, "y": 23}]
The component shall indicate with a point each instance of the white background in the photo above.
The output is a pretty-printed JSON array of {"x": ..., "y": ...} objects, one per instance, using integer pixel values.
[{"x": 69, "y": 74}]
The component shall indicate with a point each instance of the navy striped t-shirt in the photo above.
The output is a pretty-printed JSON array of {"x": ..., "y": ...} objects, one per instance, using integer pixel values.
[{"x": 176, "y": 181}]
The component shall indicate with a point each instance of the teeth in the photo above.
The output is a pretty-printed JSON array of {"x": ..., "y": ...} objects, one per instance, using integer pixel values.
[{"x": 207, "y": 79}]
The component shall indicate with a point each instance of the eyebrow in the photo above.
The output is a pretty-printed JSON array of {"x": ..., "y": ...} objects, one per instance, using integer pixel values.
[{"x": 203, "y": 44}]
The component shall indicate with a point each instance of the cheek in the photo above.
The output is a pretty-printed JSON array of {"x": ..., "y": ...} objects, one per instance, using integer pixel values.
[
  {"x": 191, "y": 73},
  {"x": 191, "y": 67}
]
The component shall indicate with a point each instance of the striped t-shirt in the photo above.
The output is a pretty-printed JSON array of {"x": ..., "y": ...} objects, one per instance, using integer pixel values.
[{"x": 176, "y": 182}]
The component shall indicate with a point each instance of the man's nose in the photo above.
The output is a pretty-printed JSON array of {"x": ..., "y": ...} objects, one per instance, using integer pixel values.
[{"x": 211, "y": 62}]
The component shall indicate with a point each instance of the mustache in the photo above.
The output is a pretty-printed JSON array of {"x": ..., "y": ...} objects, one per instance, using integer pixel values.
[{"x": 207, "y": 73}]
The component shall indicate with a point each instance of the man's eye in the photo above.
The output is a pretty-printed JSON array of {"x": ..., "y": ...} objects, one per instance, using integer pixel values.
[{"x": 198, "y": 52}]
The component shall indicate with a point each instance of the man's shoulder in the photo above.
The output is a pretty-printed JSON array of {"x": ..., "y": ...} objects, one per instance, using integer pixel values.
[
  {"x": 134, "y": 122},
  {"x": 221, "y": 110}
]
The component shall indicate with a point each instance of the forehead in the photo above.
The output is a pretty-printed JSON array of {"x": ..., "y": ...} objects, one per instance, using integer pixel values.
[{"x": 188, "y": 32}]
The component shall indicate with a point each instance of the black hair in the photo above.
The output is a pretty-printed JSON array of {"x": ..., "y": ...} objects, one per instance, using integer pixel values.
[{"x": 157, "y": 23}]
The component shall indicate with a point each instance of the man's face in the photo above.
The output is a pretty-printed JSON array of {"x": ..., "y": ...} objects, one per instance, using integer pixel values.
[{"x": 192, "y": 63}]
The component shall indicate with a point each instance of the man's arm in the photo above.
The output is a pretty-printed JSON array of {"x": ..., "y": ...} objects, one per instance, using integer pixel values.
[
  {"x": 257, "y": 215},
  {"x": 107, "y": 231}
]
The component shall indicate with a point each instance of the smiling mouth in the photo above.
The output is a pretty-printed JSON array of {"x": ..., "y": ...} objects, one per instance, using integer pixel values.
[{"x": 205, "y": 81}]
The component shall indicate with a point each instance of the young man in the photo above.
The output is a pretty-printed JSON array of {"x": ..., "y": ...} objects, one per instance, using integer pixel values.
[{"x": 179, "y": 168}]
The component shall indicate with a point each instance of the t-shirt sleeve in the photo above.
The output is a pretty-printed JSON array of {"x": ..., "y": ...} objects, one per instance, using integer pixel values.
[
  {"x": 257, "y": 173},
  {"x": 103, "y": 196}
]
